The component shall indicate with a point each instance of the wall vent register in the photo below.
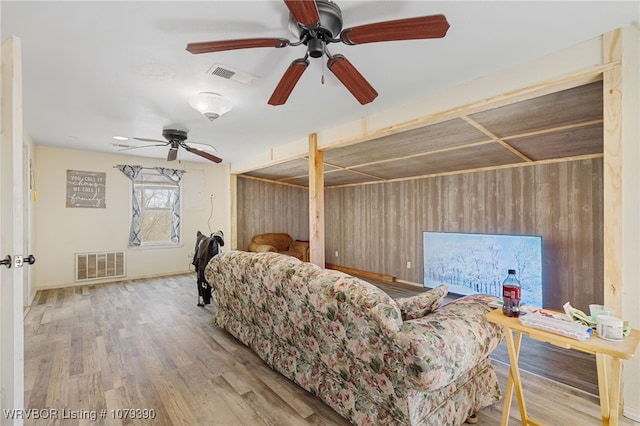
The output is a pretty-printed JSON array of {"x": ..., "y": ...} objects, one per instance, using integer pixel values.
[{"x": 91, "y": 266}]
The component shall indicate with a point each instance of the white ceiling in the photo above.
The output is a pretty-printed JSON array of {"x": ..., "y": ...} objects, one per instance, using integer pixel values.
[{"x": 92, "y": 70}]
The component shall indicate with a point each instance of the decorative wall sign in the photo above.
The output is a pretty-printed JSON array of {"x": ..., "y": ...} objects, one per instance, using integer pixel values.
[{"x": 86, "y": 189}]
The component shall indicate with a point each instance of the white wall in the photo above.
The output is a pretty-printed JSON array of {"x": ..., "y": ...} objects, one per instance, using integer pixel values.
[{"x": 61, "y": 232}]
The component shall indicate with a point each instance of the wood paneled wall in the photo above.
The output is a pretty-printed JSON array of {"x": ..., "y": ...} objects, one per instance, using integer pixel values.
[
  {"x": 379, "y": 227},
  {"x": 269, "y": 207}
]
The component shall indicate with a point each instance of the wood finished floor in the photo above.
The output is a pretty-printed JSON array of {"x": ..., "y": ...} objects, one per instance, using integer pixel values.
[{"x": 146, "y": 345}]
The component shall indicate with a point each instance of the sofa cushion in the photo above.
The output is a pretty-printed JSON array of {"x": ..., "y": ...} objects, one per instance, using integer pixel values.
[
  {"x": 261, "y": 248},
  {"x": 422, "y": 304}
]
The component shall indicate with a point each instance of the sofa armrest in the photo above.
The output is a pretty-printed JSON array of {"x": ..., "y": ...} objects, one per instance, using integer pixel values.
[
  {"x": 442, "y": 345},
  {"x": 261, "y": 248},
  {"x": 301, "y": 247},
  {"x": 422, "y": 304}
]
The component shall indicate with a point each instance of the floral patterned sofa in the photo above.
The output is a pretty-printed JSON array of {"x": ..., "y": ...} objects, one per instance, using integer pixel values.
[{"x": 345, "y": 340}]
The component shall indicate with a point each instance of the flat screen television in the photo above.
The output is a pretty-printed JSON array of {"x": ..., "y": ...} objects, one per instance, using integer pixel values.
[{"x": 478, "y": 263}]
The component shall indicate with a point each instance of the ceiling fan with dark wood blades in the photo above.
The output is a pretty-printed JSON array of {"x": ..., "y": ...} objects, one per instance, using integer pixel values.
[
  {"x": 317, "y": 23},
  {"x": 176, "y": 139}
]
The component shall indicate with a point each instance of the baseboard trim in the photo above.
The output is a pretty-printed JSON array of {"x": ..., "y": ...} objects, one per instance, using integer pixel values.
[
  {"x": 112, "y": 280},
  {"x": 411, "y": 283},
  {"x": 360, "y": 272}
]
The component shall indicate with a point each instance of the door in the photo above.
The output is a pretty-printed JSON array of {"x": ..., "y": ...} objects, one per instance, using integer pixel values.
[{"x": 11, "y": 232}]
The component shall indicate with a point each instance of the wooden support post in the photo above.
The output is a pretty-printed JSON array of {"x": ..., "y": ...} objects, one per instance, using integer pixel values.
[
  {"x": 612, "y": 190},
  {"x": 233, "y": 180},
  {"x": 316, "y": 202},
  {"x": 612, "y": 124}
]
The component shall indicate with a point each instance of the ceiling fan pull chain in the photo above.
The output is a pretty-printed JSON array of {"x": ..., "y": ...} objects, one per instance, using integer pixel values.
[{"x": 322, "y": 76}]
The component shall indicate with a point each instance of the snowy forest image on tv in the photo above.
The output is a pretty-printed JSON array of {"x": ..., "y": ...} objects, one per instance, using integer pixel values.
[{"x": 478, "y": 263}]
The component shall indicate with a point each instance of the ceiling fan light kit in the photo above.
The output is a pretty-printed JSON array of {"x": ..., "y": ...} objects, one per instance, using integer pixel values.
[
  {"x": 211, "y": 105},
  {"x": 317, "y": 23}
]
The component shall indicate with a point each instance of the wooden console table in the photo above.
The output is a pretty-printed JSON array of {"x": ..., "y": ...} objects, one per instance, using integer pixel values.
[{"x": 609, "y": 356}]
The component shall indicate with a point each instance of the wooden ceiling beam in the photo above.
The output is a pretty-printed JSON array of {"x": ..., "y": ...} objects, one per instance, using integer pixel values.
[{"x": 496, "y": 138}]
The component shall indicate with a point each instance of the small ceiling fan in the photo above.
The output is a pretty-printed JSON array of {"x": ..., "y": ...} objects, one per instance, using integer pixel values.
[
  {"x": 176, "y": 139},
  {"x": 317, "y": 23}
]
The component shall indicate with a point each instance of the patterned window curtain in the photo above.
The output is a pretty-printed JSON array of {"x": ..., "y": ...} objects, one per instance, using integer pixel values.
[
  {"x": 174, "y": 176},
  {"x": 132, "y": 173}
]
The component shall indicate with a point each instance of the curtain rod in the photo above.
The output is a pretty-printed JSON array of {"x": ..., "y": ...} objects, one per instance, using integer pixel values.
[
  {"x": 144, "y": 168},
  {"x": 148, "y": 168}
]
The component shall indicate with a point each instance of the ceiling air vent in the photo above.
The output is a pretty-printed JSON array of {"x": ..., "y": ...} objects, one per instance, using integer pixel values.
[
  {"x": 229, "y": 73},
  {"x": 120, "y": 145},
  {"x": 223, "y": 72}
]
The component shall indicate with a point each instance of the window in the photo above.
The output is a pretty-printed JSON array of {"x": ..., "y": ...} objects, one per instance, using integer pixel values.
[
  {"x": 158, "y": 196},
  {"x": 159, "y": 208}
]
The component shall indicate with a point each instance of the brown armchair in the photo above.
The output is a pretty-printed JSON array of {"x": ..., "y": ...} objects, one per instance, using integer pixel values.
[{"x": 280, "y": 242}]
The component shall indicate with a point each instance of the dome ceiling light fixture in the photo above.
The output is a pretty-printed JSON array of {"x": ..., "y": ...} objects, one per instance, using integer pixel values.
[{"x": 211, "y": 105}]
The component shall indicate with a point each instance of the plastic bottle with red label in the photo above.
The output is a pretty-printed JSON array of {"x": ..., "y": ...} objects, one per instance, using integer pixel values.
[{"x": 511, "y": 295}]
